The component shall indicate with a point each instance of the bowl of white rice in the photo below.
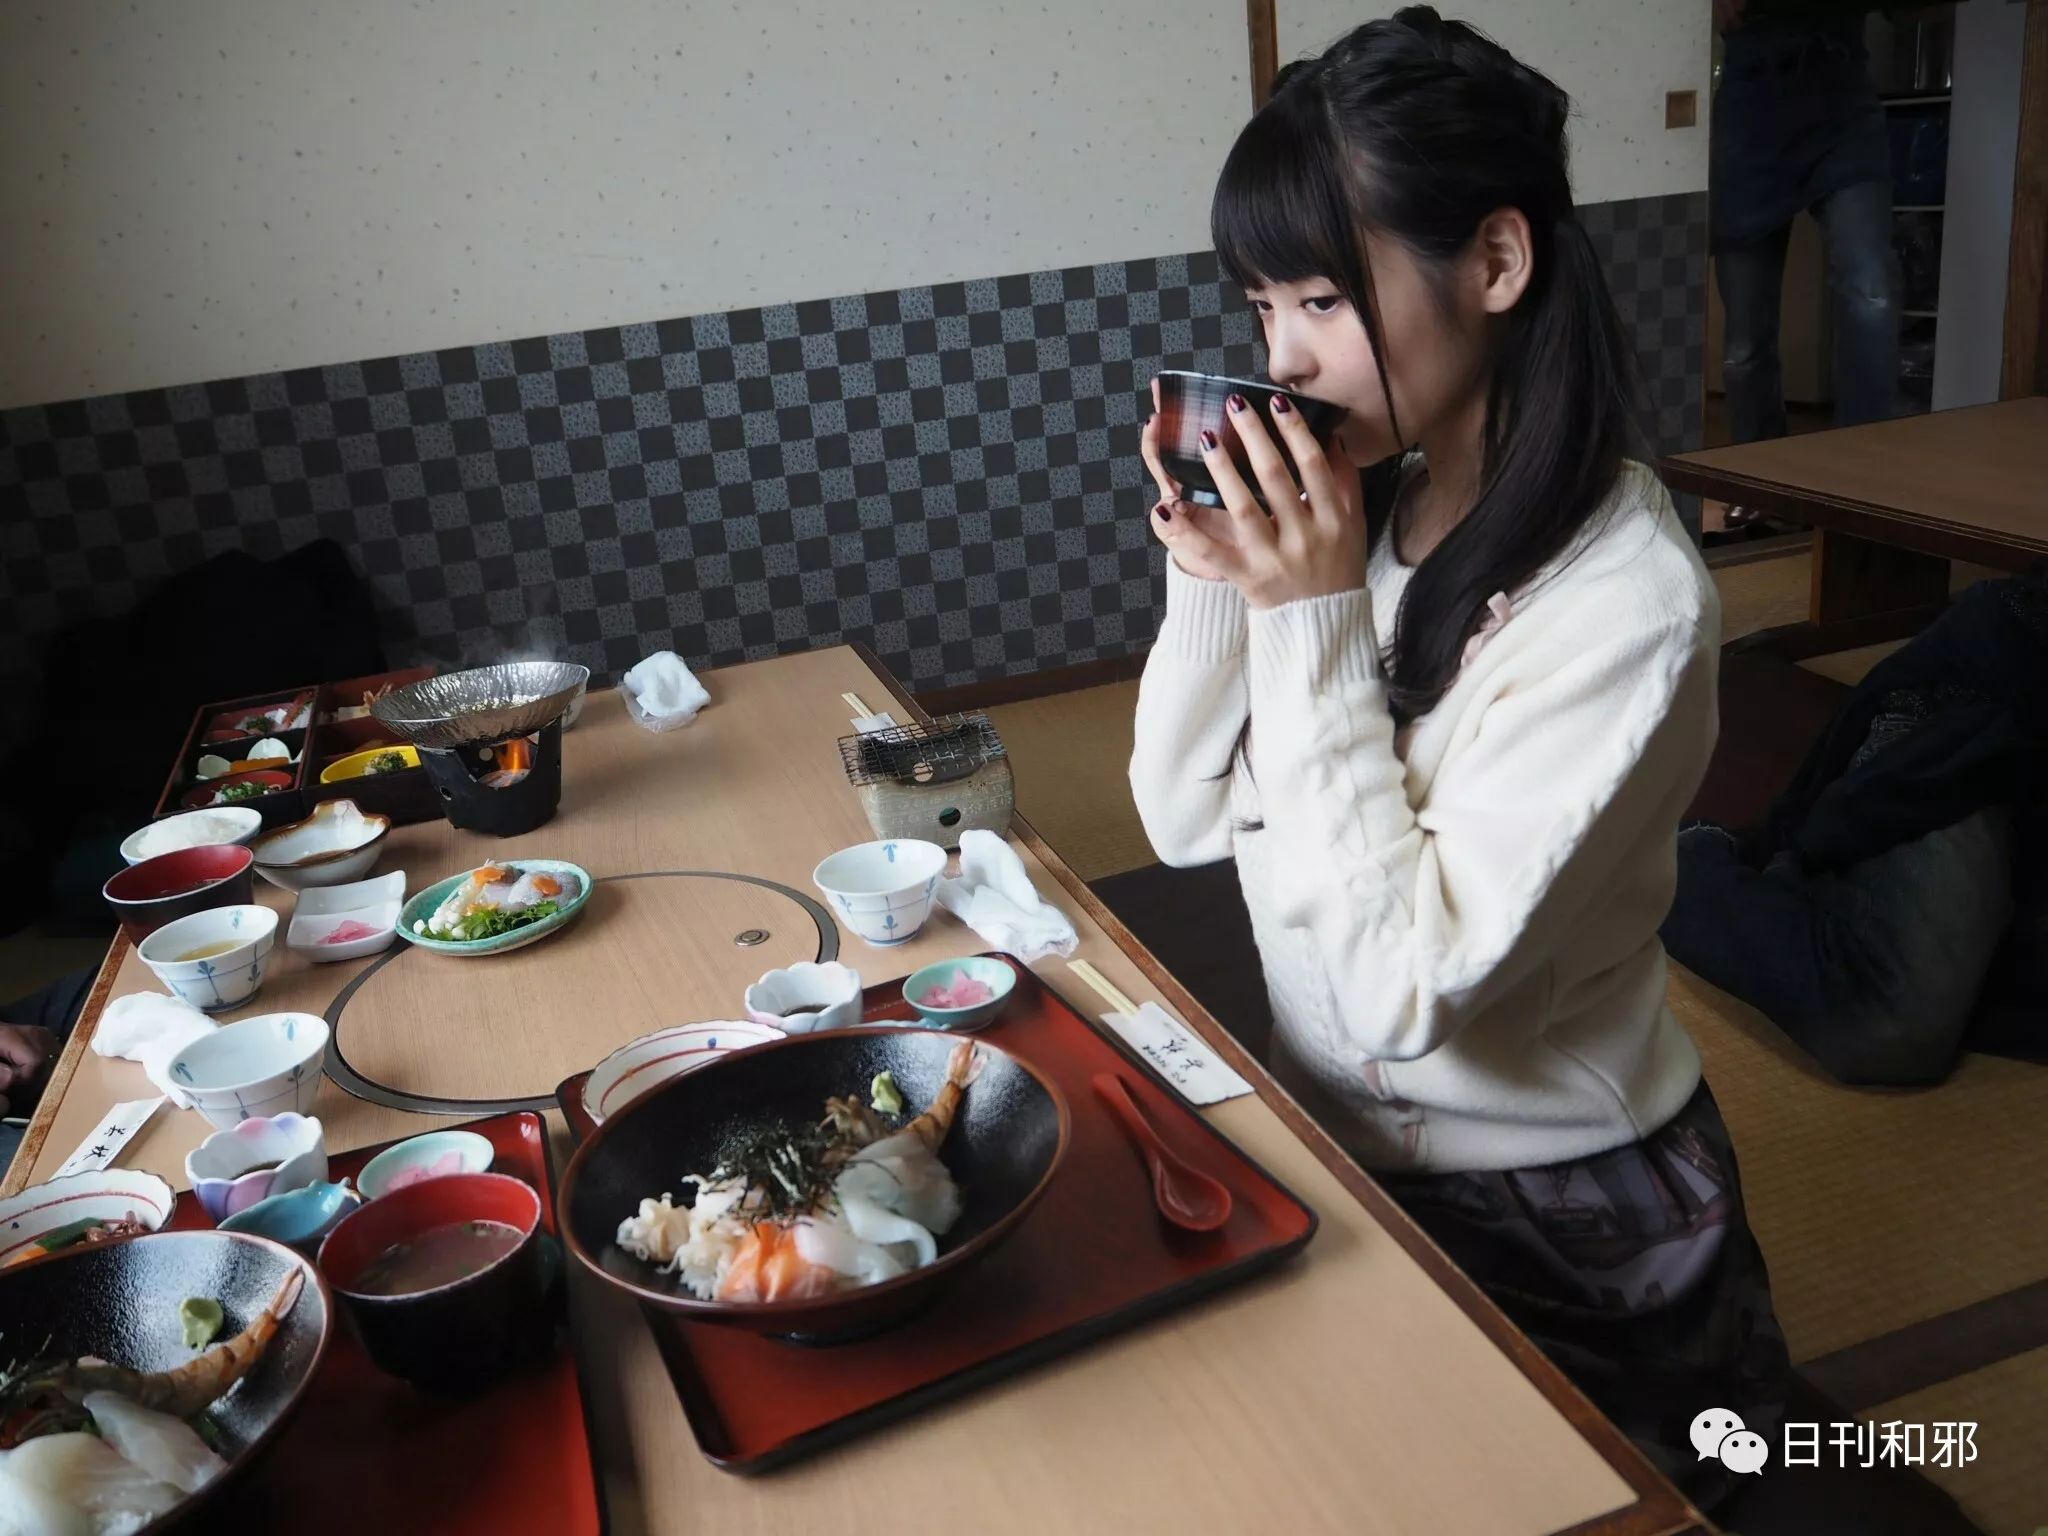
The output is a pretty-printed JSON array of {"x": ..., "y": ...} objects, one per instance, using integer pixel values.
[{"x": 193, "y": 829}]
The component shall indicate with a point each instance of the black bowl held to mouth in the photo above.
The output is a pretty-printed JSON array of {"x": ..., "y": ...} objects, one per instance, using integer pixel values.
[
  {"x": 1007, "y": 1139},
  {"x": 1193, "y": 403}
]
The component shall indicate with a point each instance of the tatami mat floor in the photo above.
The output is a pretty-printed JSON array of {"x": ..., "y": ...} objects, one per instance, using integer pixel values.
[{"x": 1877, "y": 1210}]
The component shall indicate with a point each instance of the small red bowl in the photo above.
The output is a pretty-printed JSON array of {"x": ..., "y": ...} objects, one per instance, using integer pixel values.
[
  {"x": 468, "y": 1330},
  {"x": 269, "y": 779},
  {"x": 145, "y": 896}
]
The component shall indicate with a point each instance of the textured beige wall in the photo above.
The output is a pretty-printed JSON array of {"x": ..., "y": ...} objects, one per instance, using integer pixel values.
[
  {"x": 1616, "y": 58},
  {"x": 217, "y": 187}
]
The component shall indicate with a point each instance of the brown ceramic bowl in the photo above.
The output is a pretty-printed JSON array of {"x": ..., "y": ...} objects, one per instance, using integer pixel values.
[
  {"x": 145, "y": 896},
  {"x": 1005, "y": 1147}
]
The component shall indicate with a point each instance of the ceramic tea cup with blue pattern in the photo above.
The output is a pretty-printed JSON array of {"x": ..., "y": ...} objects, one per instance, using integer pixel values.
[
  {"x": 882, "y": 892},
  {"x": 266, "y": 1065},
  {"x": 215, "y": 959}
]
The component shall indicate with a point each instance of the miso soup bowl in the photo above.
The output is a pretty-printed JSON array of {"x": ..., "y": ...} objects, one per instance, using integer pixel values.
[
  {"x": 1193, "y": 403},
  {"x": 468, "y": 1331},
  {"x": 160, "y": 890}
]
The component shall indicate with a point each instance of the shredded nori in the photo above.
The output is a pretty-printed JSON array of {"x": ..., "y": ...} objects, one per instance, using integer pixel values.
[{"x": 783, "y": 1167}]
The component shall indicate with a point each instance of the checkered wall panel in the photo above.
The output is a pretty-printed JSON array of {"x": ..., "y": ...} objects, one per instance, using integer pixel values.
[{"x": 950, "y": 473}]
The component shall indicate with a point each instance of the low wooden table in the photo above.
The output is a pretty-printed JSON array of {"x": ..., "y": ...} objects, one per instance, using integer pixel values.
[
  {"x": 1890, "y": 504},
  {"x": 1368, "y": 1387}
]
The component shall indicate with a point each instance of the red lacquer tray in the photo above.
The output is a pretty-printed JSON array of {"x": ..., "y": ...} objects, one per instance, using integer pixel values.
[
  {"x": 368, "y": 1453},
  {"x": 1093, "y": 1258}
]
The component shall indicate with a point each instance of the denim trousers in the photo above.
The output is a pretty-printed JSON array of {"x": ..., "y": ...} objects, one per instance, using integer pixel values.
[
  {"x": 1864, "y": 283},
  {"x": 1874, "y": 970}
]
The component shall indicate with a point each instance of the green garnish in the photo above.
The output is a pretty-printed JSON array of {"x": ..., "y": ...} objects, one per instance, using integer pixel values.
[
  {"x": 492, "y": 921},
  {"x": 64, "y": 1236},
  {"x": 236, "y": 792},
  {"x": 200, "y": 1317},
  {"x": 885, "y": 1095},
  {"x": 385, "y": 762}
]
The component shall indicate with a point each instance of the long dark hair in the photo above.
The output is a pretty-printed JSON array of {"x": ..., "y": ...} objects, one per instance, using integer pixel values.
[{"x": 1418, "y": 128}]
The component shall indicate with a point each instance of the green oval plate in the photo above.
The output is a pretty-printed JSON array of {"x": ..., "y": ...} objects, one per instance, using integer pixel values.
[{"x": 424, "y": 903}]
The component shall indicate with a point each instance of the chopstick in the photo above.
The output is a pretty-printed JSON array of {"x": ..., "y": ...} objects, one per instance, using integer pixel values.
[
  {"x": 1103, "y": 987},
  {"x": 853, "y": 703}
]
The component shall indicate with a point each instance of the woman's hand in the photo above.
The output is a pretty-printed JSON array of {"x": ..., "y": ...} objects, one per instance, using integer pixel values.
[
  {"x": 1175, "y": 511},
  {"x": 1314, "y": 544}
]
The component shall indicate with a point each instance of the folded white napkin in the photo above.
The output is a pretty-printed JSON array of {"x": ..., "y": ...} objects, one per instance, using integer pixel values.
[
  {"x": 661, "y": 693},
  {"x": 995, "y": 897},
  {"x": 151, "y": 1028}
]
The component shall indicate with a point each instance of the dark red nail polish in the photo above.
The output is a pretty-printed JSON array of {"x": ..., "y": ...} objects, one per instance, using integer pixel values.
[
  {"x": 1238, "y": 405},
  {"x": 1280, "y": 406},
  {"x": 1164, "y": 512},
  {"x": 1210, "y": 440}
]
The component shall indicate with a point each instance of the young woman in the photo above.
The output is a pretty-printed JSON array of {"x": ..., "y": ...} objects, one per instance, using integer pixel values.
[{"x": 1446, "y": 715}]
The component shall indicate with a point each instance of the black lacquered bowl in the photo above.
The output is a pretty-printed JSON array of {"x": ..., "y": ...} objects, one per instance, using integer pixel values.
[
  {"x": 1006, "y": 1144},
  {"x": 1190, "y": 403},
  {"x": 119, "y": 1301}
]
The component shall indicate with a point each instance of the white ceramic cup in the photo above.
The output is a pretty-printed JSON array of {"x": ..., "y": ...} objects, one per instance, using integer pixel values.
[
  {"x": 227, "y": 979},
  {"x": 883, "y": 892},
  {"x": 264, "y": 1065}
]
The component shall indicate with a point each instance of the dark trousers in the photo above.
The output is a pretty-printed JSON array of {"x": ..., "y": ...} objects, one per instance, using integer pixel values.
[
  {"x": 1874, "y": 970},
  {"x": 1863, "y": 278}
]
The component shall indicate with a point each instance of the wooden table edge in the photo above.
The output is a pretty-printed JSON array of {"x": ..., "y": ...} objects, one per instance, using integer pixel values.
[
  {"x": 1659, "y": 1509},
  {"x": 38, "y": 1132},
  {"x": 1851, "y": 515}
]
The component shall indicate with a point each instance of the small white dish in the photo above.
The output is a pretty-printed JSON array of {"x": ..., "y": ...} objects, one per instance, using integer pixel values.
[
  {"x": 883, "y": 891},
  {"x": 239, "y": 939},
  {"x": 193, "y": 829},
  {"x": 646, "y": 1063},
  {"x": 264, "y": 1065},
  {"x": 111, "y": 1194},
  {"x": 806, "y": 998},
  {"x": 419, "y": 1158},
  {"x": 333, "y": 846},
  {"x": 268, "y": 1155},
  {"x": 321, "y": 910}
]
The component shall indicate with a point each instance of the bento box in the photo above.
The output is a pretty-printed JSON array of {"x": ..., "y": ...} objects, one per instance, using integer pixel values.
[{"x": 282, "y": 753}]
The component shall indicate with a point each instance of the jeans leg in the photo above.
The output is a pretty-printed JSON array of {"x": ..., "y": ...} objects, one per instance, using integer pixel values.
[
  {"x": 1752, "y": 278},
  {"x": 1875, "y": 970},
  {"x": 1750, "y": 932},
  {"x": 1863, "y": 276}
]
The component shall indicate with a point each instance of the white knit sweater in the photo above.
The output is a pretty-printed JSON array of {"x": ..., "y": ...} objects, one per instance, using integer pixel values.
[{"x": 1459, "y": 928}]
